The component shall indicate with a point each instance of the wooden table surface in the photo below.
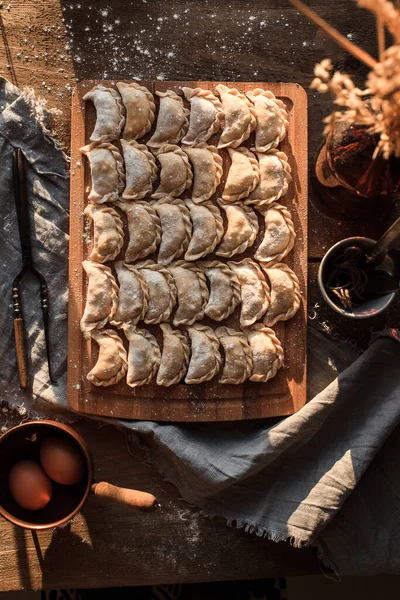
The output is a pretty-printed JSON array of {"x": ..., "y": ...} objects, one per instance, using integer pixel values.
[{"x": 48, "y": 45}]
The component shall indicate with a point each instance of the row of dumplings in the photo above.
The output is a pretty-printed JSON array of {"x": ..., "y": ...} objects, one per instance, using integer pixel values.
[
  {"x": 180, "y": 228},
  {"x": 130, "y": 113},
  {"x": 254, "y": 353},
  {"x": 258, "y": 178},
  {"x": 150, "y": 292}
]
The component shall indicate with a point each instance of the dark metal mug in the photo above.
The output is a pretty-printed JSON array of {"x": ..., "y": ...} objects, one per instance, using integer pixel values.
[{"x": 373, "y": 306}]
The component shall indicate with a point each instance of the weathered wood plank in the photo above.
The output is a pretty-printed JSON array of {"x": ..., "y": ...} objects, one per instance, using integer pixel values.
[{"x": 109, "y": 545}]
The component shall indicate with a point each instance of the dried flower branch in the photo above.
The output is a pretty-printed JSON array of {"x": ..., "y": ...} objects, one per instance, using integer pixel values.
[
  {"x": 384, "y": 85},
  {"x": 384, "y": 10},
  {"x": 340, "y": 39},
  {"x": 378, "y": 106}
]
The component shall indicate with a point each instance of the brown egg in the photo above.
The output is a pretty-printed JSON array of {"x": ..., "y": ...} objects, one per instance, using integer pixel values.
[
  {"x": 61, "y": 460},
  {"x": 29, "y": 485}
]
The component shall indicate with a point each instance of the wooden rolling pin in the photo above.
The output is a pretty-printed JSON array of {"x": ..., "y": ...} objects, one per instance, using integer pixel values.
[{"x": 134, "y": 498}]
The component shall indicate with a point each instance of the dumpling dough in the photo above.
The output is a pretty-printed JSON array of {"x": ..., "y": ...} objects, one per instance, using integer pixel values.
[
  {"x": 240, "y": 117},
  {"x": 143, "y": 356},
  {"x": 238, "y": 356},
  {"x": 207, "y": 165},
  {"x": 140, "y": 109},
  {"x": 241, "y": 230},
  {"x": 254, "y": 290},
  {"x": 106, "y": 170},
  {"x": 206, "y": 115},
  {"x": 110, "y": 117},
  {"x": 205, "y": 358},
  {"x": 176, "y": 229},
  {"x": 267, "y": 352},
  {"x": 279, "y": 234},
  {"x": 274, "y": 180},
  {"x": 272, "y": 119},
  {"x": 101, "y": 297},
  {"x": 243, "y": 175},
  {"x": 140, "y": 169},
  {"x": 224, "y": 290},
  {"x": 174, "y": 357},
  {"x": 132, "y": 297},
  {"x": 172, "y": 120},
  {"x": 111, "y": 365},
  {"x": 208, "y": 229},
  {"x": 108, "y": 236},
  {"x": 192, "y": 292},
  {"x": 285, "y": 293},
  {"x": 144, "y": 230},
  {"x": 176, "y": 173},
  {"x": 162, "y": 291}
]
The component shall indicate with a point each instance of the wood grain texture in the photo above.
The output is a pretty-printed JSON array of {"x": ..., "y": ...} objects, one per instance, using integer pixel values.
[
  {"x": 22, "y": 361},
  {"x": 211, "y": 401},
  {"x": 113, "y": 545}
]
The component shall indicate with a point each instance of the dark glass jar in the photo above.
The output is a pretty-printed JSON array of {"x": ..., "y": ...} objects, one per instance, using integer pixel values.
[{"x": 348, "y": 181}]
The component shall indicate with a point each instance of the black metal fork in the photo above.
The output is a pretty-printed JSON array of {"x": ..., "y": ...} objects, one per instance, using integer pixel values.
[{"x": 22, "y": 207}]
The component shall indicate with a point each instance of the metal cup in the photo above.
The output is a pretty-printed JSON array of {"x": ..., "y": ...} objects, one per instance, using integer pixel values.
[{"x": 373, "y": 306}]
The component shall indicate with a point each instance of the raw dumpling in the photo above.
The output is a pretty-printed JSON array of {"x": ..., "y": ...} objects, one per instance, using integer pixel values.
[
  {"x": 241, "y": 230},
  {"x": 224, "y": 290},
  {"x": 272, "y": 119},
  {"x": 132, "y": 297},
  {"x": 205, "y": 359},
  {"x": 143, "y": 356},
  {"x": 110, "y": 117},
  {"x": 267, "y": 352},
  {"x": 174, "y": 357},
  {"x": 243, "y": 175},
  {"x": 161, "y": 289},
  {"x": 144, "y": 230},
  {"x": 140, "y": 108},
  {"x": 206, "y": 115},
  {"x": 208, "y": 229},
  {"x": 279, "y": 234},
  {"x": 111, "y": 364},
  {"x": 274, "y": 178},
  {"x": 176, "y": 229},
  {"x": 172, "y": 120},
  {"x": 176, "y": 173},
  {"x": 106, "y": 170},
  {"x": 101, "y": 297},
  {"x": 240, "y": 117},
  {"x": 207, "y": 164},
  {"x": 254, "y": 290},
  {"x": 238, "y": 356},
  {"x": 192, "y": 292},
  {"x": 108, "y": 236},
  {"x": 140, "y": 169},
  {"x": 285, "y": 293}
]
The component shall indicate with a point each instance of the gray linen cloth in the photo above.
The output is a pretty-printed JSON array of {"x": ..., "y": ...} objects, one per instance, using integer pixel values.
[{"x": 327, "y": 476}]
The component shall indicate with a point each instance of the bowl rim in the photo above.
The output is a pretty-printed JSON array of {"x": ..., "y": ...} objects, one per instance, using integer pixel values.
[
  {"x": 328, "y": 300},
  {"x": 89, "y": 463}
]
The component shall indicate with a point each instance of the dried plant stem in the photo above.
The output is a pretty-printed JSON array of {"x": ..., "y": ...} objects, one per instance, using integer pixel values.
[
  {"x": 340, "y": 39},
  {"x": 380, "y": 34}
]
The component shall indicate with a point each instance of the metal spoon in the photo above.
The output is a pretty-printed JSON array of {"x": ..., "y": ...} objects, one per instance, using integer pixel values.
[{"x": 379, "y": 251}]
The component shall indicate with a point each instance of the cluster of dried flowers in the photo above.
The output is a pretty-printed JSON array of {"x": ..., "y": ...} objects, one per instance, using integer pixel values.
[{"x": 378, "y": 106}]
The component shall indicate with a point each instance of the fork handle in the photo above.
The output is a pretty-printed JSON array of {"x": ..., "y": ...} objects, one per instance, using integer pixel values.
[{"x": 22, "y": 362}]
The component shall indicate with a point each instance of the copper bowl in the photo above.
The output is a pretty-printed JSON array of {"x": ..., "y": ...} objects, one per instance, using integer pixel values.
[{"x": 23, "y": 443}]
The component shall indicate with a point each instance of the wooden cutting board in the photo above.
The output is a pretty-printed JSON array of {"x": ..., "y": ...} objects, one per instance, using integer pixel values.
[{"x": 284, "y": 394}]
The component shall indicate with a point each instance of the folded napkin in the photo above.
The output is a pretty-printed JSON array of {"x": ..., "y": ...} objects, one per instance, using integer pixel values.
[{"x": 326, "y": 476}]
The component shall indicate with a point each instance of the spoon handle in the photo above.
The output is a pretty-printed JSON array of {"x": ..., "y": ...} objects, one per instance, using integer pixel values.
[{"x": 379, "y": 251}]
